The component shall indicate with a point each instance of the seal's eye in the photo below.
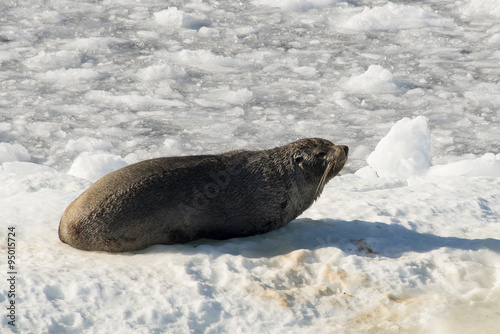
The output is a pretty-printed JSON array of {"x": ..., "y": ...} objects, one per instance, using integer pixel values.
[{"x": 321, "y": 154}]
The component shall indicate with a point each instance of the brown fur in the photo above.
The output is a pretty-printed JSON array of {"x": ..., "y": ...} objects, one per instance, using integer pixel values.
[{"x": 180, "y": 199}]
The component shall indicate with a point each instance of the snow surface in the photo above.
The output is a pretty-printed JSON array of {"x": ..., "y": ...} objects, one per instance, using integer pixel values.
[{"x": 406, "y": 240}]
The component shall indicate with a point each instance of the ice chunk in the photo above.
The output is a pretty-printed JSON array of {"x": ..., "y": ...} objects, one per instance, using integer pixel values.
[
  {"x": 172, "y": 17},
  {"x": 393, "y": 17},
  {"x": 25, "y": 168},
  {"x": 207, "y": 60},
  {"x": 404, "y": 151},
  {"x": 100, "y": 44},
  {"x": 55, "y": 60},
  {"x": 160, "y": 72},
  {"x": 223, "y": 95},
  {"x": 307, "y": 71},
  {"x": 172, "y": 147},
  {"x": 88, "y": 144},
  {"x": 13, "y": 152},
  {"x": 70, "y": 76},
  {"x": 93, "y": 167},
  {"x": 487, "y": 165},
  {"x": 480, "y": 8},
  {"x": 375, "y": 80},
  {"x": 296, "y": 5}
]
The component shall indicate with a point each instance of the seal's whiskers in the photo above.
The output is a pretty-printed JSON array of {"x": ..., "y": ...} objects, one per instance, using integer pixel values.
[{"x": 322, "y": 181}]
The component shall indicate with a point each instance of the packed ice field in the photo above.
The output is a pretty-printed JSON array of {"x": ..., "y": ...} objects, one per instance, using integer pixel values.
[{"x": 405, "y": 240}]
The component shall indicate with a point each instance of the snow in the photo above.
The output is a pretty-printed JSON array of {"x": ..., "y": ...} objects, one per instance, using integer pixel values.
[{"x": 405, "y": 240}]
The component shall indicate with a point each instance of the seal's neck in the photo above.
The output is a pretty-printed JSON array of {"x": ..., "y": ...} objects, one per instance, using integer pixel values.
[{"x": 303, "y": 193}]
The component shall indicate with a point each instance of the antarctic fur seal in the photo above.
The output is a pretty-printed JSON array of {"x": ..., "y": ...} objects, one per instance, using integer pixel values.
[{"x": 181, "y": 199}]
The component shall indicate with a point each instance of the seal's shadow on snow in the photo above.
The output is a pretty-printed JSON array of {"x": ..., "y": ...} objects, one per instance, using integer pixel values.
[
  {"x": 358, "y": 237},
  {"x": 375, "y": 238}
]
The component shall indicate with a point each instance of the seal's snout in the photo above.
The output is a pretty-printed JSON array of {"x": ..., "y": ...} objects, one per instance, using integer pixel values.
[
  {"x": 343, "y": 148},
  {"x": 339, "y": 152}
]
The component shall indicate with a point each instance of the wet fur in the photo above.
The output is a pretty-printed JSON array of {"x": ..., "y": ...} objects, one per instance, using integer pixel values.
[{"x": 180, "y": 199}]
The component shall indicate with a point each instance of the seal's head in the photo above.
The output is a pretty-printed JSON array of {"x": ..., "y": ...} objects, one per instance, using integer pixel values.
[{"x": 319, "y": 159}]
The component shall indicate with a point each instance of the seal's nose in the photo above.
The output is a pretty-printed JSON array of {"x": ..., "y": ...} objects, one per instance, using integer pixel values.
[{"x": 345, "y": 148}]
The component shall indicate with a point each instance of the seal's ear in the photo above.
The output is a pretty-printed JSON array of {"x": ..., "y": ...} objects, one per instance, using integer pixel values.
[{"x": 297, "y": 159}]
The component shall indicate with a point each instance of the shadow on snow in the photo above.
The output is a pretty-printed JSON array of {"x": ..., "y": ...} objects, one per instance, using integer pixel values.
[{"x": 358, "y": 237}]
